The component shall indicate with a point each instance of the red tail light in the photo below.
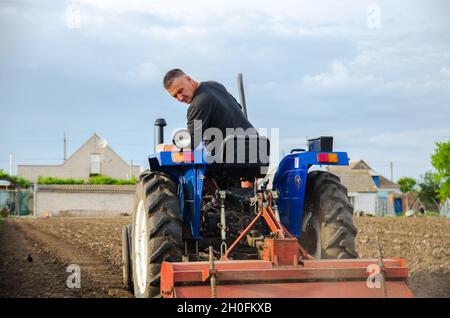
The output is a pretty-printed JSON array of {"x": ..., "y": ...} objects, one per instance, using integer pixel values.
[{"x": 327, "y": 157}]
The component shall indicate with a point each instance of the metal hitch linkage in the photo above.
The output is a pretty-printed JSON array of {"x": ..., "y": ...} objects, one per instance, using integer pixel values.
[
  {"x": 282, "y": 238},
  {"x": 223, "y": 223}
]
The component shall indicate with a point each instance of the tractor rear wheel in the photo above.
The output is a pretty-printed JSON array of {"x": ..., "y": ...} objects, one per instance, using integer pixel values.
[
  {"x": 126, "y": 258},
  {"x": 328, "y": 230},
  {"x": 156, "y": 232}
]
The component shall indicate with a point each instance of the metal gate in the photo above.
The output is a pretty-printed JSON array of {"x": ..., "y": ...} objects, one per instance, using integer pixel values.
[{"x": 16, "y": 202}]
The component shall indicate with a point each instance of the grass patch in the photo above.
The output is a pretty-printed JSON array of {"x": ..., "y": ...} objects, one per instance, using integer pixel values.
[
  {"x": 53, "y": 180},
  {"x": 109, "y": 180},
  {"x": 92, "y": 180}
]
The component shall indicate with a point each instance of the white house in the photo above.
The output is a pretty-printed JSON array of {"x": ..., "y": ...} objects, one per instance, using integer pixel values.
[
  {"x": 369, "y": 192},
  {"x": 93, "y": 158}
]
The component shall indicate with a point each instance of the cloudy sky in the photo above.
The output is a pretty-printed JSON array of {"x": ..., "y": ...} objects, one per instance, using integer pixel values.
[{"x": 373, "y": 74}]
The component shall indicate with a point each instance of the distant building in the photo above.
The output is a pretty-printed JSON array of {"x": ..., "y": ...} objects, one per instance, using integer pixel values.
[
  {"x": 445, "y": 209},
  {"x": 370, "y": 192},
  {"x": 6, "y": 198},
  {"x": 93, "y": 158},
  {"x": 84, "y": 200},
  {"x": 16, "y": 200}
]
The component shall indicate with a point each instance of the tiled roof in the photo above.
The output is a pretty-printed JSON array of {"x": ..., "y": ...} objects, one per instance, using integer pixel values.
[
  {"x": 354, "y": 180},
  {"x": 357, "y": 177},
  {"x": 362, "y": 165},
  {"x": 387, "y": 184},
  {"x": 86, "y": 188}
]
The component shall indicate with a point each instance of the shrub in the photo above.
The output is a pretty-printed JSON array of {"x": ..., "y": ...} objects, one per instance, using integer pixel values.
[
  {"x": 53, "y": 180},
  {"x": 92, "y": 180},
  {"x": 109, "y": 180},
  {"x": 4, "y": 213}
]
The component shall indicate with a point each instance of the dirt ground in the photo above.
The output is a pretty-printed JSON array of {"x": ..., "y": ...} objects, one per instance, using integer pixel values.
[
  {"x": 95, "y": 245},
  {"x": 54, "y": 244},
  {"x": 423, "y": 242}
]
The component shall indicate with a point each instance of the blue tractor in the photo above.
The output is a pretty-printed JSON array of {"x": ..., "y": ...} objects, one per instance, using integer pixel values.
[{"x": 178, "y": 218}]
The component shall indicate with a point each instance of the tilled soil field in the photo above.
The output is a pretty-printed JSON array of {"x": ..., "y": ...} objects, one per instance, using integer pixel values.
[
  {"x": 95, "y": 245},
  {"x": 423, "y": 242}
]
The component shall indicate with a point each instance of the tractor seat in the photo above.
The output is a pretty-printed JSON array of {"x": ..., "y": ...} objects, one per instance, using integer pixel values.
[{"x": 245, "y": 156}]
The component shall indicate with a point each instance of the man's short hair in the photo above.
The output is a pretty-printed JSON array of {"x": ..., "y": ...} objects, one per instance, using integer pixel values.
[{"x": 171, "y": 76}]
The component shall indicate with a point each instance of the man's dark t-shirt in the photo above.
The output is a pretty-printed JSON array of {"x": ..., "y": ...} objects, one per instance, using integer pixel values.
[{"x": 215, "y": 107}]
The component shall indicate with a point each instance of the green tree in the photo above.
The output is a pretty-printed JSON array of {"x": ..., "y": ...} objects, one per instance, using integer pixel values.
[
  {"x": 429, "y": 190},
  {"x": 406, "y": 184},
  {"x": 441, "y": 162},
  {"x": 22, "y": 182}
]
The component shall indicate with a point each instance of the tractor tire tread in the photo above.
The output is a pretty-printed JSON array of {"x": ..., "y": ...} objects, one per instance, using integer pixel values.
[
  {"x": 164, "y": 224},
  {"x": 338, "y": 233}
]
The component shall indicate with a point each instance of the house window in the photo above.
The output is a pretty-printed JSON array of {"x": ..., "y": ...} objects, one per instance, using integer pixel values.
[{"x": 95, "y": 164}]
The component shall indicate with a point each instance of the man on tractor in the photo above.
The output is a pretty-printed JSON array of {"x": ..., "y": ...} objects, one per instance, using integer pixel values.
[
  {"x": 211, "y": 105},
  {"x": 268, "y": 242}
]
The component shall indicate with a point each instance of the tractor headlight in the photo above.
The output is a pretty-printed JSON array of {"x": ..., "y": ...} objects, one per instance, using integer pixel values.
[{"x": 182, "y": 139}]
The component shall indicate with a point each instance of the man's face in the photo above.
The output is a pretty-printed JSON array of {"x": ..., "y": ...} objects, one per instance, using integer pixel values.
[{"x": 183, "y": 89}]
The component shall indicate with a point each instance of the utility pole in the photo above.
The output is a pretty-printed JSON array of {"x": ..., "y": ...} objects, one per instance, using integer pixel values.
[
  {"x": 11, "y": 164},
  {"x": 34, "y": 198},
  {"x": 65, "y": 147},
  {"x": 392, "y": 171},
  {"x": 131, "y": 169},
  {"x": 407, "y": 204}
]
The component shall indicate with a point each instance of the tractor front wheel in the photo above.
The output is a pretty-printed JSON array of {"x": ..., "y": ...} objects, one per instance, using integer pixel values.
[
  {"x": 328, "y": 231},
  {"x": 156, "y": 231}
]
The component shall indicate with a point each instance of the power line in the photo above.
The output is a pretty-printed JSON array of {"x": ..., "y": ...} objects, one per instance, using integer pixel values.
[
  {"x": 18, "y": 158},
  {"x": 143, "y": 144}
]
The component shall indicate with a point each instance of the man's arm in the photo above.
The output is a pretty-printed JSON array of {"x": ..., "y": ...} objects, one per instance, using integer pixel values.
[
  {"x": 240, "y": 106},
  {"x": 198, "y": 120}
]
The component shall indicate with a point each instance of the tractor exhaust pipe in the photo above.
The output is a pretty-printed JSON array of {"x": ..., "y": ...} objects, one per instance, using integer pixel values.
[
  {"x": 241, "y": 94},
  {"x": 160, "y": 123}
]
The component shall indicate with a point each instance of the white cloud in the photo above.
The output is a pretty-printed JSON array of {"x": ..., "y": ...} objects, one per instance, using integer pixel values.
[
  {"x": 146, "y": 72},
  {"x": 338, "y": 75},
  {"x": 413, "y": 139},
  {"x": 285, "y": 18},
  {"x": 176, "y": 34},
  {"x": 200, "y": 11},
  {"x": 445, "y": 71}
]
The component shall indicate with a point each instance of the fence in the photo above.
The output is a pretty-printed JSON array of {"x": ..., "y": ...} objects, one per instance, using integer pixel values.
[
  {"x": 445, "y": 208},
  {"x": 16, "y": 202}
]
